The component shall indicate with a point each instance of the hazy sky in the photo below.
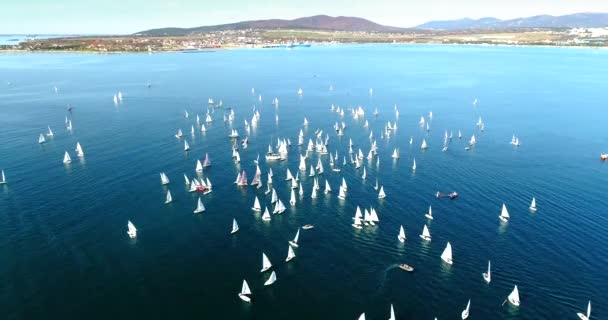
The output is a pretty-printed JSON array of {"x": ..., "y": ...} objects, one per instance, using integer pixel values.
[{"x": 129, "y": 16}]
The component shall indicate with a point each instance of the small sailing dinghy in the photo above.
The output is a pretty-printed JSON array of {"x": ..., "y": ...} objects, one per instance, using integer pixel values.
[
  {"x": 245, "y": 292},
  {"x": 423, "y": 146},
  {"x": 585, "y": 316},
  {"x": 265, "y": 263},
  {"x": 447, "y": 254},
  {"x": 290, "y": 254},
  {"x": 514, "y": 297},
  {"x": 307, "y": 226},
  {"x": 199, "y": 206},
  {"x": 294, "y": 242},
  {"x": 381, "y": 194},
  {"x": 41, "y": 139},
  {"x": 392, "y": 313},
  {"x": 163, "y": 177},
  {"x": 132, "y": 231},
  {"x": 79, "y": 151},
  {"x": 361, "y": 317},
  {"x": 271, "y": 279},
  {"x": 50, "y": 133},
  {"x": 357, "y": 223},
  {"x": 186, "y": 146},
  {"x": 235, "y": 227},
  {"x": 292, "y": 200},
  {"x": 169, "y": 198},
  {"x": 465, "y": 312},
  {"x": 430, "y": 214},
  {"x": 2, "y": 177},
  {"x": 426, "y": 235},
  {"x": 256, "y": 205},
  {"x": 66, "y": 158},
  {"x": 504, "y": 214},
  {"x": 414, "y": 166},
  {"x": 533, "y": 204},
  {"x": 487, "y": 276},
  {"x": 401, "y": 235},
  {"x": 266, "y": 215}
]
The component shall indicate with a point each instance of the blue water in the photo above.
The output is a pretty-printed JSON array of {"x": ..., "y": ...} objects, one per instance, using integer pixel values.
[{"x": 65, "y": 254}]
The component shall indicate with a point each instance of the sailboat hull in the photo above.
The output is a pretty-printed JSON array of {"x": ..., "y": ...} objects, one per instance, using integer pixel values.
[
  {"x": 503, "y": 219},
  {"x": 356, "y": 226},
  {"x": 234, "y": 231},
  {"x": 264, "y": 269},
  {"x": 244, "y": 297},
  {"x": 486, "y": 277},
  {"x": 465, "y": 314},
  {"x": 582, "y": 316},
  {"x": 402, "y": 239},
  {"x": 514, "y": 302},
  {"x": 429, "y": 216},
  {"x": 425, "y": 238}
]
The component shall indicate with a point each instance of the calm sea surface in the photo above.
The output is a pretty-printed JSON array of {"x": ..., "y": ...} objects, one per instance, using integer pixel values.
[{"x": 65, "y": 254}]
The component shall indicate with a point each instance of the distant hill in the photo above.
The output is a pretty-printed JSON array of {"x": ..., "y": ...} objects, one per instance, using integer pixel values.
[
  {"x": 577, "y": 20},
  {"x": 320, "y": 22}
]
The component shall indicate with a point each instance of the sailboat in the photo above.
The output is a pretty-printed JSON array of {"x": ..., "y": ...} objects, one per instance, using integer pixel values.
[
  {"x": 256, "y": 205},
  {"x": 430, "y": 214},
  {"x": 207, "y": 162},
  {"x": 67, "y": 158},
  {"x": 199, "y": 166},
  {"x": 327, "y": 187},
  {"x": 447, "y": 254},
  {"x": 179, "y": 133},
  {"x": 292, "y": 199},
  {"x": 426, "y": 235},
  {"x": 395, "y": 154},
  {"x": 414, "y": 165},
  {"x": 271, "y": 279},
  {"x": 364, "y": 175},
  {"x": 186, "y": 146},
  {"x": 533, "y": 204},
  {"x": 290, "y": 254},
  {"x": 381, "y": 194},
  {"x": 169, "y": 198},
  {"x": 50, "y": 132},
  {"x": 41, "y": 139},
  {"x": 235, "y": 227},
  {"x": 265, "y": 263},
  {"x": 245, "y": 291},
  {"x": 423, "y": 145},
  {"x": 401, "y": 235},
  {"x": 487, "y": 276},
  {"x": 199, "y": 206},
  {"x": 163, "y": 177},
  {"x": 79, "y": 151},
  {"x": 504, "y": 214},
  {"x": 376, "y": 185},
  {"x": 132, "y": 231},
  {"x": 279, "y": 207},
  {"x": 2, "y": 178},
  {"x": 342, "y": 193},
  {"x": 266, "y": 215},
  {"x": 294, "y": 242},
  {"x": 300, "y": 190},
  {"x": 465, "y": 312},
  {"x": 514, "y": 297},
  {"x": 392, "y": 313},
  {"x": 362, "y": 316},
  {"x": 585, "y": 316}
]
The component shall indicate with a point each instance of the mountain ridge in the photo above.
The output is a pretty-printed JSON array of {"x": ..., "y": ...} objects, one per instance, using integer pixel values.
[
  {"x": 318, "y": 22},
  {"x": 575, "y": 20}
]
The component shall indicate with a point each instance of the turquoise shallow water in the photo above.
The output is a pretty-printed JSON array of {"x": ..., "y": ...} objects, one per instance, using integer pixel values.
[{"x": 64, "y": 252}]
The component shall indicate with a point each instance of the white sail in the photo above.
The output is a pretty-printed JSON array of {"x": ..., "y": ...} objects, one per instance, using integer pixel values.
[
  {"x": 292, "y": 199},
  {"x": 430, "y": 214},
  {"x": 271, "y": 279},
  {"x": 364, "y": 175},
  {"x": 362, "y": 317},
  {"x": 2, "y": 177},
  {"x": 41, "y": 139},
  {"x": 381, "y": 194},
  {"x": 199, "y": 206},
  {"x": 426, "y": 235},
  {"x": 392, "y": 313},
  {"x": 342, "y": 193},
  {"x": 533, "y": 204},
  {"x": 50, "y": 133},
  {"x": 265, "y": 263},
  {"x": 588, "y": 315},
  {"x": 423, "y": 145},
  {"x": 279, "y": 207},
  {"x": 290, "y": 254},
  {"x": 163, "y": 177},
  {"x": 67, "y": 158},
  {"x": 447, "y": 254},
  {"x": 465, "y": 312},
  {"x": 256, "y": 205},
  {"x": 514, "y": 297},
  {"x": 275, "y": 198},
  {"x": 327, "y": 187},
  {"x": 344, "y": 184},
  {"x": 487, "y": 276},
  {"x": 289, "y": 176},
  {"x": 186, "y": 146},
  {"x": 245, "y": 289},
  {"x": 473, "y": 140},
  {"x": 235, "y": 226},
  {"x": 504, "y": 214},
  {"x": 395, "y": 154},
  {"x": 266, "y": 215},
  {"x": 300, "y": 190},
  {"x": 179, "y": 133},
  {"x": 401, "y": 236},
  {"x": 169, "y": 198},
  {"x": 414, "y": 165},
  {"x": 294, "y": 242},
  {"x": 132, "y": 231}
]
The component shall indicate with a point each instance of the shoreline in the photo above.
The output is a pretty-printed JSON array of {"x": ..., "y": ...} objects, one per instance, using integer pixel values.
[{"x": 320, "y": 44}]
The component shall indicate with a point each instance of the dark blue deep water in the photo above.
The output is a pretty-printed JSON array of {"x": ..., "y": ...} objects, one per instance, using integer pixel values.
[{"x": 65, "y": 254}]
